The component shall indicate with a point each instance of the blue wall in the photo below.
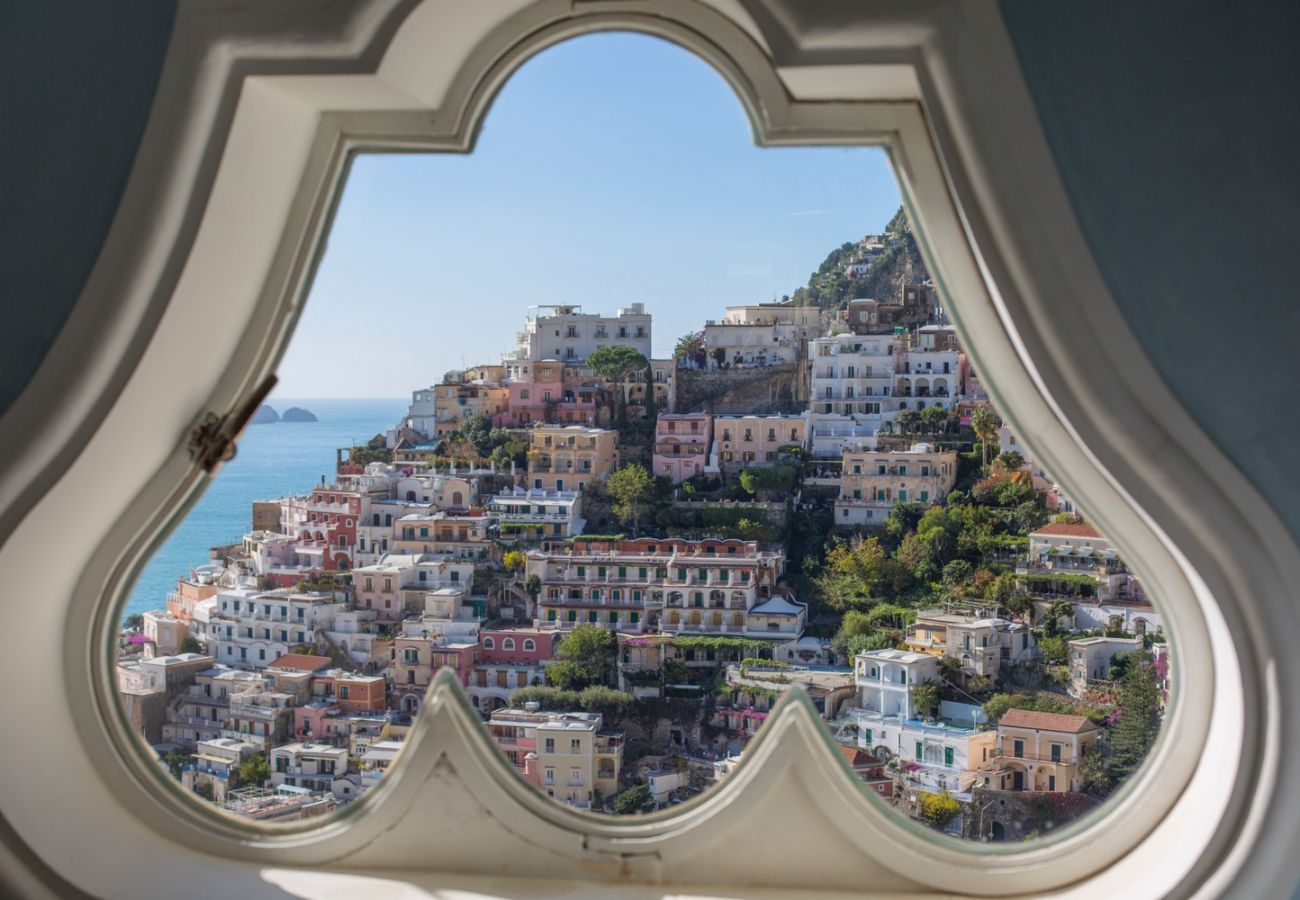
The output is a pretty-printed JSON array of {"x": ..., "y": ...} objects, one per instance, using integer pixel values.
[
  {"x": 76, "y": 83},
  {"x": 1176, "y": 127}
]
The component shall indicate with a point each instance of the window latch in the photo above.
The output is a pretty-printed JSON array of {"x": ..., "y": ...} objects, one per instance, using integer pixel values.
[{"x": 212, "y": 441}]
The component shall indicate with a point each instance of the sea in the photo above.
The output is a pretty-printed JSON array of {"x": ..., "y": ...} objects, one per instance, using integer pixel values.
[{"x": 273, "y": 460}]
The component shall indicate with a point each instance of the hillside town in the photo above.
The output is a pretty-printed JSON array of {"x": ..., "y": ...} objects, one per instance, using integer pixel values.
[{"x": 626, "y": 562}]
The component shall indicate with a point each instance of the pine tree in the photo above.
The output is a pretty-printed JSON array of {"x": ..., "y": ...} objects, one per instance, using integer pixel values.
[{"x": 1131, "y": 737}]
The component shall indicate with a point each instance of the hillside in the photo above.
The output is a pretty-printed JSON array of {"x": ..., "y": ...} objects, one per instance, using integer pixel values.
[{"x": 830, "y": 287}]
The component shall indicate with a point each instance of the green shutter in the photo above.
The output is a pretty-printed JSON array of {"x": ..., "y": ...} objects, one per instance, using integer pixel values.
[
  {"x": 947, "y": 756},
  {"x": 920, "y": 752}
]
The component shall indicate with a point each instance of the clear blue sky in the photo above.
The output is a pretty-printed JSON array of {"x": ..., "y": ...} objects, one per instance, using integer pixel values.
[{"x": 611, "y": 169}]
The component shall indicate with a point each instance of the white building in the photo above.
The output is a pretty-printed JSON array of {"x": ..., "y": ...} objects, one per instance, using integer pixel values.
[
  {"x": 1113, "y": 598},
  {"x": 885, "y": 678},
  {"x": 982, "y": 645},
  {"x": 861, "y": 381},
  {"x": 536, "y": 512},
  {"x": 566, "y": 333},
  {"x": 1091, "y": 659},
  {"x": 944, "y": 755},
  {"x": 421, "y": 415},
  {"x": 250, "y": 628},
  {"x": 851, "y": 390},
  {"x": 313, "y": 766},
  {"x": 766, "y": 334}
]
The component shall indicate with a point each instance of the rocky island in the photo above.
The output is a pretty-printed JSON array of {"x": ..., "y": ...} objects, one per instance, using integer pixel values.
[
  {"x": 265, "y": 415},
  {"x": 298, "y": 414}
]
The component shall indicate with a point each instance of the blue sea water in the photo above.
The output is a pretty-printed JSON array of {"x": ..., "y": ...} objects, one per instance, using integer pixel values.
[{"x": 273, "y": 461}]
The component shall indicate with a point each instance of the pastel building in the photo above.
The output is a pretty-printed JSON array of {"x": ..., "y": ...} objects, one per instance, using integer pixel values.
[
  {"x": 744, "y": 441},
  {"x": 682, "y": 442},
  {"x": 944, "y": 754},
  {"x": 1077, "y": 562},
  {"x": 982, "y": 645},
  {"x": 464, "y": 394},
  {"x": 872, "y": 481},
  {"x": 534, "y": 392},
  {"x": 565, "y": 458},
  {"x": 509, "y": 658},
  {"x": 250, "y": 628},
  {"x": 568, "y": 755},
  {"x": 673, "y": 584},
  {"x": 1039, "y": 751}
]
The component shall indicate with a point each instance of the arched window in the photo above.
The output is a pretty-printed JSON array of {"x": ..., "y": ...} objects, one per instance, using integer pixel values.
[
  {"x": 696, "y": 596},
  {"x": 529, "y": 645},
  {"x": 508, "y": 644},
  {"x": 489, "y": 643}
]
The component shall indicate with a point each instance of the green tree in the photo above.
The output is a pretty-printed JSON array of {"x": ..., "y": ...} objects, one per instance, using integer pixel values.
[
  {"x": 477, "y": 429},
  {"x": 133, "y": 622},
  {"x": 934, "y": 418},
  {"x": 651, "y": 405},
  {"x": 191, "y": 645},
  {"x": 985, "y": 425},
  {"x": 902, "y": 518},
  {"x": 614, "y": 364},
  {"x": 1013, "y": 461},
  {"x": 586, "y": 656},
  {"x": 633, "y": 800},
  {"x": 925, "y": 698},
  {"x": 175, "y": 758},
  {"x": 907, "y": 421},
  {"x": 957, "y": 573},
  {"x": 1131, "y": 737},
  {"x": 533, "y": 586},
  {"x": 254, "y": 771},
  {"x": 890, "y": 615},
  {"x": 939, "y": 809},
  {"x": 862, "y": 643},
  {"x": 689, "y": 345},
  {"x": 854, "y": 573},
  {"x": 1020, "y": 604},
  {"x": 633, "y": 490},
  {"x": 1056, "y": 610},
  {"x": 1094, "y": 773}
]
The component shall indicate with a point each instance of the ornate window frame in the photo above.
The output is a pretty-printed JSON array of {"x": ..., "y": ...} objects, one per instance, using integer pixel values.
[{"x": 232, "y": 195}]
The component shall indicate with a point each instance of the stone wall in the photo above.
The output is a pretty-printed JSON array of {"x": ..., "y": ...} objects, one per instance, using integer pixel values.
[{"x": 757, "y": 390}]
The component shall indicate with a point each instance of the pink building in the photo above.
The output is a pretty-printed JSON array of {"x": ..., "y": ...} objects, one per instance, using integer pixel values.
[
  {"x": 319, "y": 720},
  {"x": 518, "y": 646},
  {"x": 682, "y": 444},
  {"x": 534, "y": 396}
]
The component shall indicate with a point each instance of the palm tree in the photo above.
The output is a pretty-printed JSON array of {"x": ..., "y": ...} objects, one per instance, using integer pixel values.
[{"x": 985, "y": 425}]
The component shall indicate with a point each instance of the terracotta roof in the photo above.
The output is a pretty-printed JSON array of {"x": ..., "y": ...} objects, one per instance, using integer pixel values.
[
  {"x": 300, "y": 662},
  {"x": 858, "y": 758},
  {"x": 1044, "y": 721},
  {"x": 1070, "y": 529}
]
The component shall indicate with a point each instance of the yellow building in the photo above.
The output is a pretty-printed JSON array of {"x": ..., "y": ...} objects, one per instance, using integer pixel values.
[
  {"x": 468, "y": 393},
  {"x": 1040, "y": 751},
  {"x": 871, "y": 481},
  {"x": 567, "y": 457}
]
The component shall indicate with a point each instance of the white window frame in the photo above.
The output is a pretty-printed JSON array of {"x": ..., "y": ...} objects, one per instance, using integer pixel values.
[{"x": 239, "y": 230}]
